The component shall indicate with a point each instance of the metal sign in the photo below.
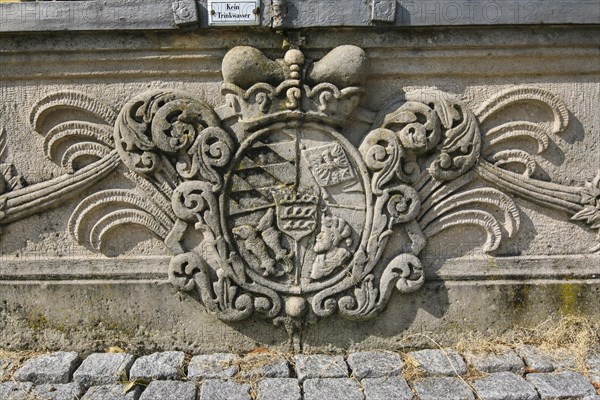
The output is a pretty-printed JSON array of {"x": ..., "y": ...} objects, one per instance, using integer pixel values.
[{"x": 233, "y": 13}]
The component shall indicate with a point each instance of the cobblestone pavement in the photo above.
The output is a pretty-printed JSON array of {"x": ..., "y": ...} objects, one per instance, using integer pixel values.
[{"x": 522, "y": 374}]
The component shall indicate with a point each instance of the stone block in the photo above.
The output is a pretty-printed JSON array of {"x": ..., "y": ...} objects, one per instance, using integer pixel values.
[
  {"x": 387, "y": 388},
  {"x": 62, "y": 391},
  {"x": 320, "y": 366},
  {"x": 278, "y": 389},
  {"x": 563, "y": 359},
  {"x": 443, "y": 388},
  {"x": 504, "y": 386},
  {"x": 332, "y": 389},
  {"x": 48, "y": 368},
  {"x": 593, "y": 364},
  {"x": 218, "y": 389},
  {"x": 507, "y": 361},
  {"x": 375, "y": 364},
  {"x": 213, "y": 366},
  {"x": 169, "y": 390},
  {"x": 111, "y": 392},
  {"x": 103, "y": 369},
  {"x": 535, "y": 359},
  {"x": 264, "y": 366},
  {"x": 439, "y": 362},
  {"x": 158, "y": 366},
  {"x": 561, "y": 385},
  {"x": 15, "y": 390}
]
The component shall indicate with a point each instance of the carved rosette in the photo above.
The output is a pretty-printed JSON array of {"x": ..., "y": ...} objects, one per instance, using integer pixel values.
[{"x": 266, "y": 205}]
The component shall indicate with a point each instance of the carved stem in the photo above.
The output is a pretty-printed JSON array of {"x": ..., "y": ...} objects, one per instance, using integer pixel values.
[
  {"x": 32, "y": 199},
  {"x": 548, "y": 194}
]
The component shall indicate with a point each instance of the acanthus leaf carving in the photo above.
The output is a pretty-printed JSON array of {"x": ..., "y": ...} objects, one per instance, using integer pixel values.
[{"x": 294, "y": 220}]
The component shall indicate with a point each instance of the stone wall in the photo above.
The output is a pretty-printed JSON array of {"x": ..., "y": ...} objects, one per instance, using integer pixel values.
[{"x": 494, "y": 223}]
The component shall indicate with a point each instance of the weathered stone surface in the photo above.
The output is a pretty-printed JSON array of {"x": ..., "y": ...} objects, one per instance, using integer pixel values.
[
  {"x": 561, "y": 385},
  {"x": 332, "y": 389},
  {"x": 442, "y": 388},
  {"x": 6, "y": 366},
  {"x": 320, "y": 366},
  {"x": 278, "y": 389},
  {"x": 48, "y": 368},
  {"x": 504, "y": 386},
  {"x": 15, "y": 390},
  {"x": 344, "y": 66},
  {"x": 213, "y": 366},
  {"x": 563, "y": 359},
  {"x": 535, "y": 359},
  {"x": 268, "y": 366},
  {"x": 132, "y": 298},
  {"x": 111, "y": 392},
  {"x": 245, "y": 62},
  {"x": 169, "y": 390},
  {"x": 374, "y": 364},
  {"x": 63, "y": 391},
  {"x": 217, "y": 389},
  {"x": 507, "y": 361},
  {"x": 593, "y": 364},
  {"x": 159, "y": 366},
  {"x": 387, "y": 388},
  {"x": 439, "y": 362},
  {"x": 103, "y": 369}
]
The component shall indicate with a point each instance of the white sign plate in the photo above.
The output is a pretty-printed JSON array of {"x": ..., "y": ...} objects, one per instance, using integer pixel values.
[{"x": 233, "y": 13}]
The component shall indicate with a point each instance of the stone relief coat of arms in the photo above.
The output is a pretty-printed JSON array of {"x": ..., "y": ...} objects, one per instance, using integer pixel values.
[{"x": 269, "y": 208}]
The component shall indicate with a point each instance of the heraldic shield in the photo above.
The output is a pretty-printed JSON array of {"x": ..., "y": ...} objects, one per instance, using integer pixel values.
[{"x": 292, "y": 214}]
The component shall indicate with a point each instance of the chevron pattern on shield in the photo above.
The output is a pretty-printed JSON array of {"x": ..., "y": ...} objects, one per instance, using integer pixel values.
[{"x": 268, "y": 165}]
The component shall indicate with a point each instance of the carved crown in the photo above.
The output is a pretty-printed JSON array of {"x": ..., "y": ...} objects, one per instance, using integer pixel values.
[{"x": 258, "y": 89}]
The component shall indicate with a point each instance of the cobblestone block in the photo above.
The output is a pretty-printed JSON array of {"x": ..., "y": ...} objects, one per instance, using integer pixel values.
[
  {"x": 103, "y": 369},
  {"x": 167, "y": 365},
  {"x": 438, "y": 362},
  {"x": 443, "y": 388},
  {"x": 217, "y": 389},
  {"x": 212, "y": 366},
  {"x": 563, "y": 359},
  {"x": 278, "y": 389},
  {"x": 62, "y": 391},
  {"x": 332, "y": 389},
  {"x": 387, "y": 388},
  {"x": 15, "y": 390},
  {"x": 505, "y": 386},
  {"x": 169, "y": 390},
  {"x": 268, "y": 366},
  {"x": 48, "y": 368},
  {"x": 593, "y": 365},
  {"x": 535, "y": 359},
  {"x": 320, "y": 366},
  {"x": 111, "y": 392},
  {"x": 375, "y": 364},
  {"x": 561, "y": 385},
  {"x": 508, "y": 361}
]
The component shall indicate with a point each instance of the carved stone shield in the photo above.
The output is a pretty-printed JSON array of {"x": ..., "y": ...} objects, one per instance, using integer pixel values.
[{"x": 296, "y": 205}]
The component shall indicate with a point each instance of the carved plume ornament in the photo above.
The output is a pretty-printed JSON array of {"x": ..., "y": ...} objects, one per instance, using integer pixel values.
[{"x": 266, "y": 205}]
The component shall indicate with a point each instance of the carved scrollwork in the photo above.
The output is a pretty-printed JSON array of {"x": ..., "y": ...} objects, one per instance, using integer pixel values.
[{"x": 160, "y": 122}]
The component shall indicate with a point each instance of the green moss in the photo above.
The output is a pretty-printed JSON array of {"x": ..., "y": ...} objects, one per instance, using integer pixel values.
[
  {"x": 37, "y": 322},
  {"x": 569, "y": 295},
  {"x": 519, "y": 298}
]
